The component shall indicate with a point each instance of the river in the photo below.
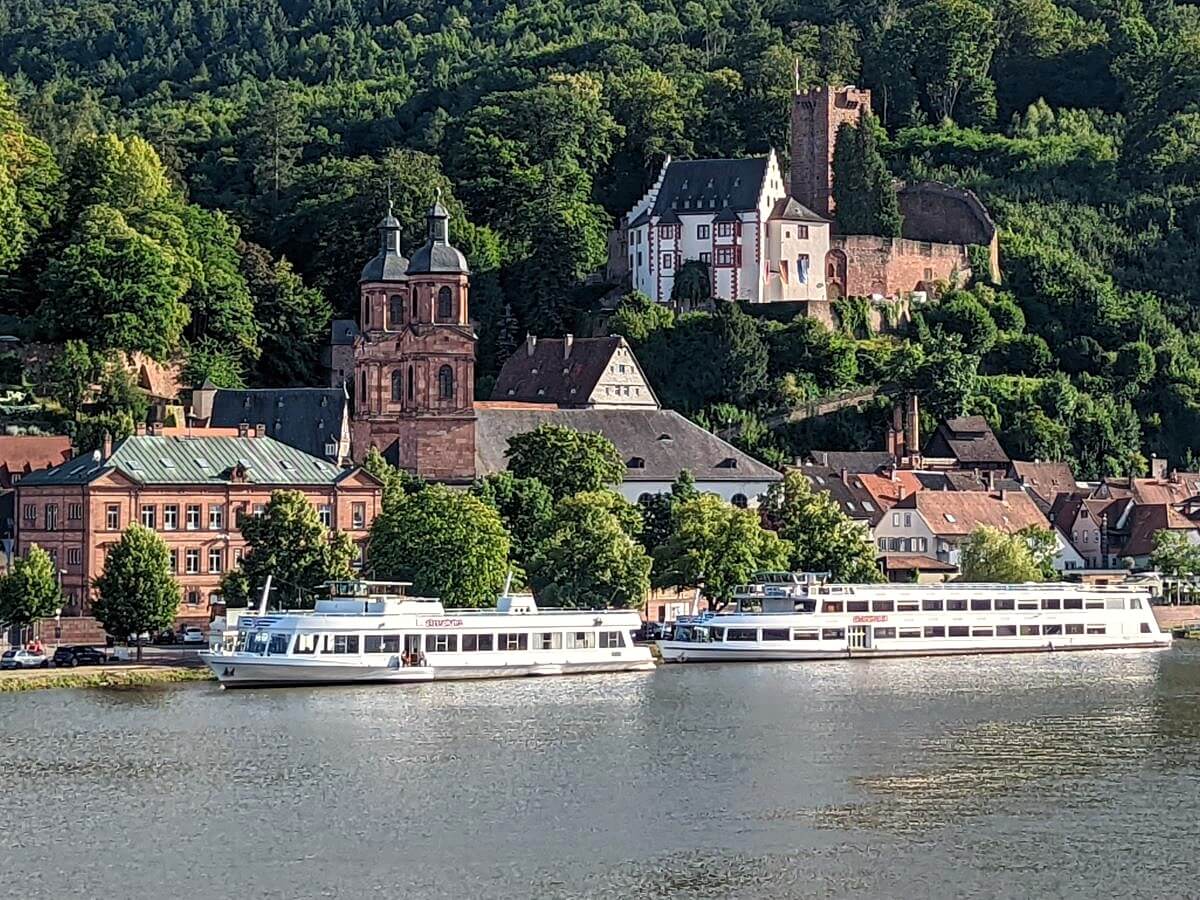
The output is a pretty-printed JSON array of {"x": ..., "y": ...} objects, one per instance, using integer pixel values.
[{"x": 1067, "y": 775}]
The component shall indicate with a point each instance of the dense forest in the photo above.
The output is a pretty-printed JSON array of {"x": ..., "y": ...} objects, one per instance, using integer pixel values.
[{"x": 201, "y": 178}]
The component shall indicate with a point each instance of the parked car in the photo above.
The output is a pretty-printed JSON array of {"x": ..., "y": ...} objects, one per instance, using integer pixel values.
[
  {"x": 166, "y": 636},
  {"x": 79, "y": 656},
  {"x": 23, "y": 659},
  {"x": 192, "y": 636}
]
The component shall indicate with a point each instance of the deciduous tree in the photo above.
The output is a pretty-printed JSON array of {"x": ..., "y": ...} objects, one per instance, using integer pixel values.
[
  {"x": 991, "y": 555},
  {"x": 136, "y": 592},
  {"x": 565, "y": 460},
  {"x": 30, "y": 590}
]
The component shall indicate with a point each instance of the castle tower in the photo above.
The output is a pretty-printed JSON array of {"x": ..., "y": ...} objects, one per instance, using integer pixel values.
[
  {"x": 817, "y": 115},
  {"x": 415, "y": 361}
]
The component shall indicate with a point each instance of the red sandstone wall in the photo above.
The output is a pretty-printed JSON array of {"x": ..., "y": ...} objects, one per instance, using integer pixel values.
[{"x": 886, "y": 266}]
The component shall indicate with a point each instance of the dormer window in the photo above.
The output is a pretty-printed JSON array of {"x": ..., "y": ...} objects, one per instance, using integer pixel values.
[
  {"x": 636, "y": 462},
  {"x": 727, "y": 463}
]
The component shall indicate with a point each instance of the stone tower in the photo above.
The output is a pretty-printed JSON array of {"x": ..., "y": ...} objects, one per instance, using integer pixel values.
[
  {"x": 415, "y": 360},
  {"x": 817, "y": 114}
]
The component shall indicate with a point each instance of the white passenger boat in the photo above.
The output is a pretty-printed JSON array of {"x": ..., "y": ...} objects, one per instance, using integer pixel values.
[
  {"x": 783, "y": 617},
  {"x": 372, "y": 632}
]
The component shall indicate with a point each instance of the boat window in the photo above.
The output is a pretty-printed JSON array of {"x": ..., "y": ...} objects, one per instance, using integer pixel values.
[
  {"x": 717, "y": 634},
  {"x": 958, "y": 631},
  {"x": 881, "y": 633},
  {"x": 1134, "y": 603},
  {"x": 547, "y": 640},
  {"x": 1099, "y": 604},
  {"x": 1051, "y": 629},
  {"x": 513, "y": 641},
  {"x": 341, "y": 643},
  {"x": 1073, "y": 603},
  {"x": 1096, "y": 629},
  {"x": 1052, "y": 603},
  {"x": 930, "y": 604},
  {"x": 1074, "y": 629},
  {"x": 910, "y": 632},
  {"x": 242, "y": 639},
  {"x": 907, "y": 606},
  {"x": 981, "y": 604},
  {"x": 1003, "y": 603},
  {"x": 1006, "y": 631},
  {"x": 279, "y": 644},
  {"x": 982, "y": 632},
  {"x": 306, "y": 643},
  {"x": 1028, "y": 630},
  {"x": 742, "y": 634},
  {"x": 882, "y": 606},
  {"x": 805, "y": 634},
  {"x": 441, "y": 643},
  {"x": 776, "y": 634},
  {"x": 933, "y": 631},
  {"x": 1027, "y": 604},
  {"x": 1144, "y": 628},
  {"x": 832, "y": 606},
  {"x": 956, "y": 604},
  {"x": 856, "y": 606},
  {"x": 1114, "y": 603},
  {"x": 833, "y": 634},
  {"x": 578, "y": 640},
  {"x": 612, "y": 639},
  {"x": 476, "y": 643},
  {"x": 381, "y": 643}
]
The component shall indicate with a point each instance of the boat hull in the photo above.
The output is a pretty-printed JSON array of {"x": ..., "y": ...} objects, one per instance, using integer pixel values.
[{"x": 249, "y": 670}]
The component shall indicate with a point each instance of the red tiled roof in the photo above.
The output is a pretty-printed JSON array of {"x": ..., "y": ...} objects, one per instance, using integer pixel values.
[
  {"x": 961, "y": 512},
  {"x": 23, "y": 454},
  {"x": 888, "y": 491},
  {"x": 1046, "y": 479},
  {"x": 1147, "y": 520}
]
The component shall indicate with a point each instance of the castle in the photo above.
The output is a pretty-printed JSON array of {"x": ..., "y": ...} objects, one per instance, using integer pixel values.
[{"x": 691, "y": 200}]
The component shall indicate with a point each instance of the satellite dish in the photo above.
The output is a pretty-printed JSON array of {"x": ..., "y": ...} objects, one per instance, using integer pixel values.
[{"x": 95, "y": 456}]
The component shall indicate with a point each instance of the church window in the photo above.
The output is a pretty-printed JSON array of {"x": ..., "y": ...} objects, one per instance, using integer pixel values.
[
  {"x": 414, "y": 305},
  {"x": 395, "y": 310},
  {"x": 802, "y": 268},
  {"x": 445, "y": 305},
  {"x": 446, "y": 383},
  {"x": 412, "y": 383},
  {"x": 397, "y": 386},
  {"x": 363, "y": 393}
]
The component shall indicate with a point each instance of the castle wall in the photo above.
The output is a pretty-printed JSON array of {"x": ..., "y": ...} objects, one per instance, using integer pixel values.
[
  {"x": 948, "y": 215},
  {"x": 891, "y": 266}
]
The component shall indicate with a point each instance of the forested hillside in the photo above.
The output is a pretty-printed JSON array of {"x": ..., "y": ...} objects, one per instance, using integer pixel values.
[{"x": 203, "y": 177}]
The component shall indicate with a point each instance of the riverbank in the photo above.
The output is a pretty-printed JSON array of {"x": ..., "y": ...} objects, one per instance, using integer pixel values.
[{"x": 100, "y": 676}]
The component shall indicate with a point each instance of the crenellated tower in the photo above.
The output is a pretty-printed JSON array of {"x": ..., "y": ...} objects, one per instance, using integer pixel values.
[{"x": 817, "y": 114}]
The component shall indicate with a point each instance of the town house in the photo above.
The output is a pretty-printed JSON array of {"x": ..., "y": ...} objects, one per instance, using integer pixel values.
[{"x": 194, "y": 492}]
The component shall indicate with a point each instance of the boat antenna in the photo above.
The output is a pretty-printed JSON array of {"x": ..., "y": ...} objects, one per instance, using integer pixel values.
[
  {"x": 266, "y": 591},
  {"x": 507, "y": 583}
]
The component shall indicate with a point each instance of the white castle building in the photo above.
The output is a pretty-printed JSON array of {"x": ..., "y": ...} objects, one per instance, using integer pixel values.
[{"x": 736, "y": 217}]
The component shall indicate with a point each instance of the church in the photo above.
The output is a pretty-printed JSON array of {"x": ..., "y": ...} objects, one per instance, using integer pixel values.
[{"x": 414, "y": 375}]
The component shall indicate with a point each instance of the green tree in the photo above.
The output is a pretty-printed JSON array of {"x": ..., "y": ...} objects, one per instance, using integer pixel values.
[
  {"x": 565, "y": 460},
  {"x": 1174, "y": 555},
  {"x": 716, "y": 546},
  {"x": 289, "y": 542},
  {"x": 275, "y": 137},
  {"x": 950, "y": 43},
  {"x": 30, "y": 590},
  {"x": 990, "y": 555},
  {"x": 863, "y": 191},
  {"x": 449, "y": 544},
  {"x": 70, "y": 375},
  {"x": 658, "y": 510},
  {"x": 136, "y": 592},
  {"x": 586, "y": 559},
  {"x": 637, "y": 317},
  {"x": 28, "y": 175},
  {"x": 691, "y": 289},
  {"x": 396, "y": 482},
  {"x": 822, "y": 538},
  {"x": 524, "y": 505}
]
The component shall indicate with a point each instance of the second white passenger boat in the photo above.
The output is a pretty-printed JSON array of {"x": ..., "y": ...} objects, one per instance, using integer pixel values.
[
  {"x": 372, "y": 632},
  {"x": 785, "y": 617}
]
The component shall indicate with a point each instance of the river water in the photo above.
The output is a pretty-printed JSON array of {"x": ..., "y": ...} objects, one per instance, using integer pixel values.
[{"x": 1069, "y": 775}]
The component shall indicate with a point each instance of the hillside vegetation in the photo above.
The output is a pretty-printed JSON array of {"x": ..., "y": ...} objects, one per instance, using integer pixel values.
[{"x": 202, "y": 178}]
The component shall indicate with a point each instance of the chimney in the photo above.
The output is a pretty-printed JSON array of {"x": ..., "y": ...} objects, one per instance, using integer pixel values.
[
  {"x": 243, "y": 429},
  {"x": 140, "y": 429},
  {"x": 1175, "y": 479},
  {"x": 991, "y": 479},
  {"x": 901, "y": 492},
  {"x": 530, "y": 344},
  {"x": 1003, "y": 495},
  {"x": 1158, "y": 468},
  {"x": 912, "y": 436},
  {"x": 106, "y": 449},
  {"x": 156, "y": 429},
  {"x": 845, "y": 477},
  {"x": 568, "y": 342},
  {"x": 260, "y": 430}
]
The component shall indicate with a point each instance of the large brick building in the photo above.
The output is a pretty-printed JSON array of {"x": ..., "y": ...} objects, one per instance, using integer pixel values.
[{"x": 193, "y": 492}]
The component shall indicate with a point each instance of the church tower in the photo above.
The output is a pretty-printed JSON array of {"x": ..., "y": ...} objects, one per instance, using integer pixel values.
[
  {"x": 817, "y": 115},
  {"x": 415, "y": 359}
]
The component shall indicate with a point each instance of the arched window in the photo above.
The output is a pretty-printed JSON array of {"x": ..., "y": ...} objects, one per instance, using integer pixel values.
[
  {"x": 362, "y": 396},
  {"x": 445, "y": 305},
  {"x": 395, "y": 310},
  {"x": 446, "y": 383},
  {"x": 412, "y": 384},
  {"x": 414, "y": 305},
  {"x": 397, "y": 385},
  {"x": 739, "y": 500}
]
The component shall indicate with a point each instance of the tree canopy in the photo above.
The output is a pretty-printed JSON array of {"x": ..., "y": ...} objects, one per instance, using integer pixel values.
[
  {"x": 136, "y": 592},
  {"x": 30, "y": 591},
  {"x": 991, "y": 555},
  {"x": 566, "y": 461}
]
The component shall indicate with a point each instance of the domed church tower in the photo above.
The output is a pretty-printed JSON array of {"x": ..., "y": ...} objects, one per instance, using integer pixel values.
[{"x": 415, "y": 362}]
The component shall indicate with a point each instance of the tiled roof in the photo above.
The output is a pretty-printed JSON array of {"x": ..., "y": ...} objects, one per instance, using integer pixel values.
[
  {"x": 22, "y": 454},
  {"x": 888, "y": 491},
  {"x": 710, "y": 185},
  {"x": 342, "y": 332},
  {"x": 151, "y": 459},
  {"x": 305, "y": 418},
  {"x": 850, "y": 495},
  {"x": 969, "y": 440},
  {"x": 961, "y": 512},
  {"x": 1149, "y": 519},
  {"x": 852, "y": 460},
  {"x": 915, "y": 562},
  {"x": 662, "y": 440},
  {"x": 793, "y": 210},
  {"x": 1046, "y": 479},
  {"x": 1175, "y": 488},
  {"x": 549, "y": 374}
]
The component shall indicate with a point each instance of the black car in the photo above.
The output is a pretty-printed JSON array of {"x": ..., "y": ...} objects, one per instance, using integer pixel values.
[{"x": 79, "y": 656}]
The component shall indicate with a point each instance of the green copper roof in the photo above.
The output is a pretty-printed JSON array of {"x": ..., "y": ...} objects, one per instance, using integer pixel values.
[{"x": 154, "y": 459}]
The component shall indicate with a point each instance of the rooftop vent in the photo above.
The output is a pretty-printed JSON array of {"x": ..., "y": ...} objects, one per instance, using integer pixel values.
[
  {"x": 201, "y": 462},
  {"x": 664, "y": 437}
]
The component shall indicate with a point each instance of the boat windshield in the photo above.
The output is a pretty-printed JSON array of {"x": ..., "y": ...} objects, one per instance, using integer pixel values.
[
  {"x": 692, "y": 634},
  {"x": 262, "y": 642}
]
